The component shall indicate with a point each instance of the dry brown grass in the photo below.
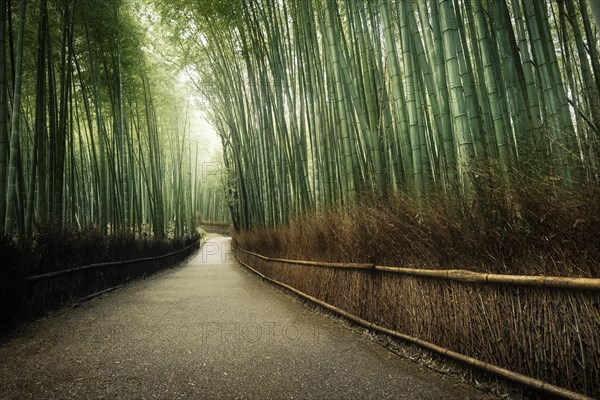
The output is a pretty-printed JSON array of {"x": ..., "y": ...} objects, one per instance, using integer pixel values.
[
  {"x": 547, "y": 334},
  {"x": 526, "y": 228}
]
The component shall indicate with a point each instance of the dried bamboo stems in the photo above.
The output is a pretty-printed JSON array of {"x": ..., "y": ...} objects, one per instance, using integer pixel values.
[{"x": 537, "y": 384}]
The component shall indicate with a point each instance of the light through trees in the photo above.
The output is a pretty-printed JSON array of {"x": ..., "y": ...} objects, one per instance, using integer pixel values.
[{"x": 93, "y": 131}]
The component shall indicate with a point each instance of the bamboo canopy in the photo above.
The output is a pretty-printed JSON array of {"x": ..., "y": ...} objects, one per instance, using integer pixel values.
[{"x": 316, "y": 102}]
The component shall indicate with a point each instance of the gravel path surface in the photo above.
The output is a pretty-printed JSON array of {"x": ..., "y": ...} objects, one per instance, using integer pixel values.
[{"x": 207, "y": 330}]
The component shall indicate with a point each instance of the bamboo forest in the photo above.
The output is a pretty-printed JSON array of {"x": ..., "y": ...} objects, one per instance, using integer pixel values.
[
  {"x": 426, "y": 171},
  {"x": 92, "y": 131},
  {"x": 317, "y": 101}
]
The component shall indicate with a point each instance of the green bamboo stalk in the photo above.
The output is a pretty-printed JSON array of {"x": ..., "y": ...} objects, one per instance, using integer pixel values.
[
  {"x": 493, "y": 94},
  {"x": 448, "y": 27},
  {"x": 402, "y": 135},
  {"x": 348, "y": 179},
  {"x": 4, "y": 143},
  {"x": 40, "y": 113},
  {"x": 16, "y": 113}
]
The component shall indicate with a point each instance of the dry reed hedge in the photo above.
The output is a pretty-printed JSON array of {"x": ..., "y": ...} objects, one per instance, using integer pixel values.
[
  {"x": 548, "y": 334},
  {"x": 524, "y": 227}
]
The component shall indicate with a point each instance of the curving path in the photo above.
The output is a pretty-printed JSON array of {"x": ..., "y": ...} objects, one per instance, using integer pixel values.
[{"x": 207, "y": 330}]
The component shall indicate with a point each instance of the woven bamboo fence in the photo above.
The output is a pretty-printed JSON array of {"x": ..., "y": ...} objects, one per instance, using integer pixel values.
[
  {"x": 54, "y": 289},
  {"x": 542, "y": 332}
]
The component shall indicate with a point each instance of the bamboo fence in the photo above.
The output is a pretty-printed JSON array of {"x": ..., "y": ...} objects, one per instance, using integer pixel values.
[
  {"x": 537, "y": 331},
  {"x": 54, "y": 289},
  {"x": 460, "y": 275}
]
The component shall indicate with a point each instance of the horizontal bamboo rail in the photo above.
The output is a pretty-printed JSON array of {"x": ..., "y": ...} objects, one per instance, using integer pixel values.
[
  {"x": 460, "y": 275},
  {"x": 473, "y": 362},
  {"x": 106, "y": 264},
  {"x": 310, "y": 263}
]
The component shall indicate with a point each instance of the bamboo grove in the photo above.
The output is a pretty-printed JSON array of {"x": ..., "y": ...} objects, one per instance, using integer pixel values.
[
  {"x": 89, "y": 133},
  {"x": 318, "y": 100}
]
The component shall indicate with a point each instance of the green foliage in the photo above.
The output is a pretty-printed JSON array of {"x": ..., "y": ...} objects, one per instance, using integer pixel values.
[
  {"x": 319, "y": 101},
  {"x": 109, "y": 114}
]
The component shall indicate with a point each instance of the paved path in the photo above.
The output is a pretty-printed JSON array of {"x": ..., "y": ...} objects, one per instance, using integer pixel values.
[{"x": 207, "y": 330}]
